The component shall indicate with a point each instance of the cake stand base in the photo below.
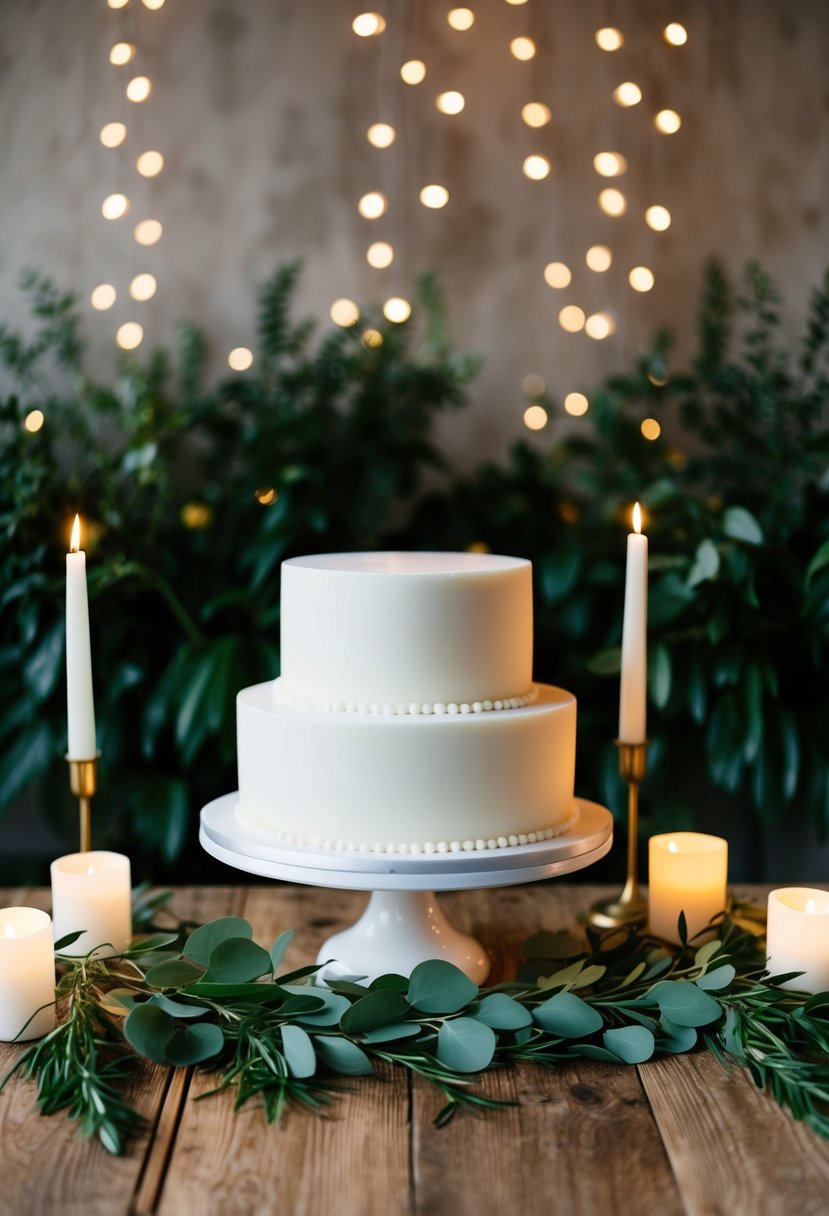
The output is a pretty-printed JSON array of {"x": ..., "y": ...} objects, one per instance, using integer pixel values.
[{"x": 403, "y": 924}]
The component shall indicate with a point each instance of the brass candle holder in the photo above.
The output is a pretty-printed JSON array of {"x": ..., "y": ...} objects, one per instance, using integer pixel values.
[
  {"x": 83, "y": 781},
  {"x": 629, "y": 907}
]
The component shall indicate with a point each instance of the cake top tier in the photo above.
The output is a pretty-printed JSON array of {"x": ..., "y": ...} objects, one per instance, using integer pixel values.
[{"x": 388, "y": 628}]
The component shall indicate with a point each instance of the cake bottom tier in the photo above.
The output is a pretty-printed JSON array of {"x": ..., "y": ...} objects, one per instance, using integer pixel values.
[{"x": 408, "y": 783}]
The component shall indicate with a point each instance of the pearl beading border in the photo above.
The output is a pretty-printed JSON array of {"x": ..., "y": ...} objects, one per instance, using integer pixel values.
[{"x": 415, "y": 709}]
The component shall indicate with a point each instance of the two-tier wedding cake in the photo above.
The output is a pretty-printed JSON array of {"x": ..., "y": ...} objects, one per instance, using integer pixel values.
[{"x": 405, "y": 719}]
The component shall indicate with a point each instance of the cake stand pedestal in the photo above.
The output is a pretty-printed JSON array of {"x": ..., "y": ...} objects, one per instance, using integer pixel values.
[{"x": 403, "y": 924}]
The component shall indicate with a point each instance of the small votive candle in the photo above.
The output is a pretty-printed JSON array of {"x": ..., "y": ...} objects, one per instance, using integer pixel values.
[
  {"x": 688, "y": 873},
  {"x": 27, "y": 974},
  {"x": 92, "y": 892},
  {"x": 797, "y": 936}
]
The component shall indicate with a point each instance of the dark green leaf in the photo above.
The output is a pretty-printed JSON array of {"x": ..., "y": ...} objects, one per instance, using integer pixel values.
[
  {"x": 380, "y": 1008},
  {"x": 439, "y": 987},
  {"x": 675, "y": 1039},
  {"x": 193, "y": 1044},
  {"x": 387, "y": 1034},
  {"x": 343, "y": 1056},
  {"x": 684, "y": 1003},
  {"x": 176, "y": 973},
  {"x": 149, "y": 1030},
  {"x": 280, "y": 946},
  {"x": 466, "y": 1045},
  {"x": 207, "y": 937},
  {"x": 299, "y": 1052},
  {"x": 568, "y": 1016},
  {"x": 236, "y": 960},
  {"x": 67, "y": 940},
  {"x": 501, "y": 1012},
  {"x": 146, "y": 944},
  {"x": 179, "y": 1009},
  {"x": 332, "y": 1009}
]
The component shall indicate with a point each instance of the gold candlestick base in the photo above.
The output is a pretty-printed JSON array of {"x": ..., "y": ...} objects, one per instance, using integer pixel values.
[
  {"x": 629, "y": 906},
  {"x": 83, "y": 781}
]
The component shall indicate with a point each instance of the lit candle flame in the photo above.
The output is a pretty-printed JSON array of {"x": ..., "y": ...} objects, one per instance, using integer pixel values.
[
  {"x": 75, "y": 542},
  {"x": 8, "y": 930},
  {"x": 90, "y": 869},
  {"x": 673, "y": 847},
  {"x": 637, "y": 517}
]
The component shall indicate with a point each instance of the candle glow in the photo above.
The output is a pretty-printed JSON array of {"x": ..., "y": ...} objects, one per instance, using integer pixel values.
[
  {"x": 633, "y": 684},
  {"x": 688, "y": 873},
  {"x": 797, "y": 937},
  {"x": 27, "y": 975},
  {"x": 92, "y": 892}
]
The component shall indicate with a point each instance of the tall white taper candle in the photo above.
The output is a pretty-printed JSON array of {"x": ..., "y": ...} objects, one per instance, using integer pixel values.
[
  {"x": 633, "y": 688},
  {"x": 80, "y": 707}
]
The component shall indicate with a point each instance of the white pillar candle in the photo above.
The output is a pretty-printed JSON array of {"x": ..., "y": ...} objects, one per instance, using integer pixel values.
[
  {"x": 797, "y": 937},
  {"x": 91, "y": 891},
  {"x": 80, "y": 707},
  {"x": 688, "y": 873},
  {"x": 633, "y": 686},
  {"x": 27, "y": 974}
]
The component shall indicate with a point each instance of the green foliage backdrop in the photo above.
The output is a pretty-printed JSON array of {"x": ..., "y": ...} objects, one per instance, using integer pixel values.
[{"x": 194, "y": 494}]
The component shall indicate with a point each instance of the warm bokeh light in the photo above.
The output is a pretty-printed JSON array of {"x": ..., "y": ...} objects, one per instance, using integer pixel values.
[
  {"x": 650, "y": 428},
  {"x": 143, "y": 287},
  {"x": 372, "y": 205},
  {"x": 150, "y": 164},
  {"x": 599, "y": 258},
  {"x": 114, "y": 206},
  {"x": 556, "y": 274},
  {"x": 380, "y": 255},
  {"x": 609, "y": 38},
  {"x": 122, "y": 53},
  {"x": 130, "y": 335},
  {"x": 571, "y": 318},
  {"x": 640, "y": 278},
  {"x": 153, "y": 4},
  {"x": 33, "y": 421},
  {"x": 366, "y": 25},
  {"x": 613, "y": 202},
  {"x": 147, "y": 232},
  {"x": 239, "y": 360},
  {"x": 533, "y": 384},
  {"x": 576, "y": 404},
  {"x": 345, "y": 313},
  {"x": 535, "y": 417},
  {"x": 627, "y": 94},
  {"x": 381, "y": 135},
  {"x": 451, "y": 102},
  {"x": 658, "y": 218},
  {"x": 397, "y": 310},
  {"x": 372, "y": 338},
  {"x": 609, "y": 164},
  {"x": 113, "y": 134},
  {"x": 536, "y": 168},
  {"x": 102, "y": 297},
  {"x": 668, "y": 122},
  {"x": 118, "y": 3},
  {"x": 434, "y": 196},
  {"x": 536, "y": 114},
  {"x": 675, "y": 34},
  {"x": 522, "y": 48},
  {"x": 599, "y": 326},
  {"x": 266, "y": 497},
  {"x": 413, "y": 71},
  {"x": 196, "y": 515},
  {"x": 139, "y": 88},
  {"x": 461, "y": 18}
]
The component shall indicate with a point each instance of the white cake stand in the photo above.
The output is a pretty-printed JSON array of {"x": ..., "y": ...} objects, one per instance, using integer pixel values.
[{"x": 403, "y": 924}]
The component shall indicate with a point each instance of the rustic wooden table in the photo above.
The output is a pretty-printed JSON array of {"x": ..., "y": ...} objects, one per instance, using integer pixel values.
[{"x": 676, "y": 1135}]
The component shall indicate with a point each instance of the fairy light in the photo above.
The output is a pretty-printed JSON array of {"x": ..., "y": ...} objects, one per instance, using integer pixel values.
[
  {"x": 196, "y": 515},
  {"x": 675, "y": 34},
  {"x": 522, "y": 48},
  {"x": 610, "y": 164},
  {"x": 668, "y": 122},
  {"x": 613, "y": 202},
  {"x": 627, "y": 94},
  {"x": 150, "y": 164},
  {"x": 397, "y": 310},
  {"x": 557, "y": 275},
  {"x": 130, "y": 335},
  {"x": 381, "y": 135},
  {"x": 268, "y": 497},
  {"x": 599, "y": 326},
  {"x": 535, "y": 417},
  {"x": 413, "y": 71},
  {"x": 372, "y": 338},
  {"x": 367, "y": 25},
  {"x": 148, "y": 232},
  {"x": 372, "y": 205},
  {"x": 102, "y": 297},
  {"x": 239, "y": 360},
  {"x": 380, "y": 255},
  {"x": 571, "y": 318},
  {"x": 461, "y": 18},
  {"x": 143, "y": 287},
  {"x": 33, "y": 421},
  {"x": 533, "y": 384},
  {"x": 608, "y": 38},
  {"x": 118, "y": 3},
  {"x": 576, "y": 404},
  {"x": 112, "y": 134},
  {"x": 139, "y": 88},
  {"x": 599, "y": 258},
  {"x": 536, "y": 168},
  {"x": 536, "y": 114},
  {"x": 153, "y": 4},
  {"x": 434, "y": 196},
  {"x": 345, "y": 312},
  {"x": 122, "y": 53},
  {"x": 641, "y": 278},
  {"x": 650, "y": 428},
  {"x": 658, "y": 218},
  {"x": 114, "y": 206},
  {"x": 451, "y": 102}
]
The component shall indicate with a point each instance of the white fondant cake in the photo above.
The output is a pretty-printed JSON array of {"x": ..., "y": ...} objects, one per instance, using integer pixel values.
[{"x": 405, "y": 718}]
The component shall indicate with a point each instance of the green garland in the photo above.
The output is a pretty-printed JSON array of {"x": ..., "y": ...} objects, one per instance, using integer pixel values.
[{"x": 213, "y": 997}]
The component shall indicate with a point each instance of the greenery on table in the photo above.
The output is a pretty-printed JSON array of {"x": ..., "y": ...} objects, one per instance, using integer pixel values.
[
  {"x": 214, "y": 998},
  {"x": 184, "y": 557}
]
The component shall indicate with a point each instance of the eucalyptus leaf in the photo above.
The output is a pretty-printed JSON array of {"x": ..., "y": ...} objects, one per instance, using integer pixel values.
[
  {"x": 332, "y": 1008},
  {"x": 440, "y": 987},
  {"x": 391, "y": 981},
  {"x": 466, "y": 1045},
  {"x": 280, "y": 946},
  {"x": 501, "y": 1012},
  {"x": 706, "y": 563},
  {"x": 675, "y": 1039},
  {"x": 175, "y": 973},
  {"x": 256, "y": 994},
  {"x": 206, "y": 938},
  {"x": 706, "y": 952},
  {"x": 742, "y": 525},
  {"x": 568, "y": 1016},
  {"x": 388, "y": 1034},
  {"x": 299, "y": 1051},
  {"x": 236, "y": 960},
  {"x": 685, "y": 1003},
  {"x": 380, "y": 1008},
  {"x": 121, "y": 1000},
  {"x": 146, "y": 945},
  {"x": 632, "y": 1044},
  {"x": 194, "y": 1044},
  {"x": 179, "y": 1009},
  {"x": 149, "y": 1030},
  {"x": 593, "y": 1052},
  {"x": 343, "y": 1056},
  {"x": 717, "y": 979}
]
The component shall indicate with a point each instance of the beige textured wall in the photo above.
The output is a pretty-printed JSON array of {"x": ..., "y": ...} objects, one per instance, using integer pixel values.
[{"x": 261, "y": 106}]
